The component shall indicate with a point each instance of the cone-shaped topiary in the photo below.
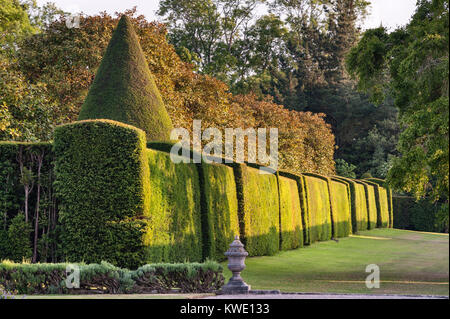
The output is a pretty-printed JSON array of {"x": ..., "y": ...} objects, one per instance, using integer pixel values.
[{"x": 124, "y": 89}]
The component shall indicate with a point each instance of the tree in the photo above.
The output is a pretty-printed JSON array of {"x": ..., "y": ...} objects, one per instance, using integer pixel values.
[
  {"x": 14, "y": 23},
  {"x": 411, "y": 64},
  {"x": 26, "y": 111},
  {"x": 19, "y": 234}
]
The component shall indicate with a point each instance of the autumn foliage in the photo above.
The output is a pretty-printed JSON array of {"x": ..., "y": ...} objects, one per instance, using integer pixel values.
[{"x": 66, "y": 60}]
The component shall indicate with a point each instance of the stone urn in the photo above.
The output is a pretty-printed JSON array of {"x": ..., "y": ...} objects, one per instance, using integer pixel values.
[{"x": 236, "y": 263}]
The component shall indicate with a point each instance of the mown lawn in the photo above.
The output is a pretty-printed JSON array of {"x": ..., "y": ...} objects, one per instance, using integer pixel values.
[{"x": 410, "y": 263}]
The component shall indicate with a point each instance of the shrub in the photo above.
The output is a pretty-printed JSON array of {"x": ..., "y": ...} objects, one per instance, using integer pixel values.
[
  {"x": 291, "y": 225},
  {"x": 340, "y": 205},
  {"x": 124, "y": 89},
  {"x": 188, "y": 278},
  {"x": 21, "y": 169},
  {"x": 319, "y": 209},
  {"x": 19, "y": 239},
  {"x": 258, "y": 208},
  {"x": 51, "y": 278},
  {"x": 174, "y": 228},
  {"x": 102, "y": 183},
  {"x": 358, "y": 204},
  {"x": 219, "y": 209}
]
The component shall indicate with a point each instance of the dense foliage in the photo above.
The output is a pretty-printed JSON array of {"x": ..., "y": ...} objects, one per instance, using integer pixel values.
[
  {"x": 291, "y": 224},
  {"x": 124, "y": 89},
  {"x": 101, "y": 184},
  {"x": 420, "y": 215},
  {"x": 28, "y": 206},
  {"x": 64, "y": 61},
  {"x": 411, "y": 65},
  {"x": 219, "y": 209},
  {"x": 174, "y": 232}
]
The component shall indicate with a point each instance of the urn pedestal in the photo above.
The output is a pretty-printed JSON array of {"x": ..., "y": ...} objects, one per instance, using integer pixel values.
[{"x": 236, "y": 263}]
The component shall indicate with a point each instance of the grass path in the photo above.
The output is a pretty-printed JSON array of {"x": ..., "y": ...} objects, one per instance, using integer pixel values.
[{"x": 410, "y": 263}]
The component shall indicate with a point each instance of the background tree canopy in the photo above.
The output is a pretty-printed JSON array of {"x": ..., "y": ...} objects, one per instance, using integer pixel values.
[
  {"x": 303, "y": 66},
  {"x": 411, "y": 65}
]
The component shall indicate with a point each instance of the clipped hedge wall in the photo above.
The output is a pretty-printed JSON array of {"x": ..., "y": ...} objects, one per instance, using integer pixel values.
[
  {"x": 174, "y": 228},
  {"x": 318, "y": 201},
  {"x": 382, "y": 183},
  {"x": 340, "y": 205},
  {"x": 380, "y": 200},
  {"x": 101, "y": 173},
  {"x": 383, "y": 200},
  {"x": 258, "y": 206},
  {"x": 371, "y": 204},
  {"x": 291, "y": 225},
  {"x": 186, "y": 278},
  {"x": 219, "y": 209}
]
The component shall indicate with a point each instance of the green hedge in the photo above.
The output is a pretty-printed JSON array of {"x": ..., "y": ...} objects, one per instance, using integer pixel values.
[
  {"x": 219, "y": 209},
  {"x": 186, "y": 278},
  {"x": 124, "y": 89},
  {"x": 318, "y": 200},
  {"x": 340, "y": 205},
  {"x": 101, "y": 172},
  {"x": 105, "y": 278},
  {"x": 371, "y": 204},
  {"x": 380, "y": 199},
  {"x": 291, "y": 225},
  {"x": 16, "y": 235},
  {"x": 174, "y": 228},
  {"x": 303, "y": 204},
  {"x": 358, "y": 204},
  {"x": 258, "y": 206},
  {"x": 383, "y": 221},
  {"x": 383, "y": 183},
  {"x": 422, "y": 215}
]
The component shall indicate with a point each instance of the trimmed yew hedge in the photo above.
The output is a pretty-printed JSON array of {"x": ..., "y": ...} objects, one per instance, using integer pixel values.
[
  {"x": 358, "y": 204},
  {"x": 390, "y": 204},
  {"x": 371, "y": 204},
  {"x": 258, "y": 206},
  {"x": 185, "y": 278},
  {"x": 219, "y": 209},
  {"x": 101, "y": 173},
  {"x": 340, "y": 206},
  {"x": 318, "y": 200},
  {"x": 174, "y": 232},
  {"x": 381, "y": 201},
  {"x": 291, "y": 225}
]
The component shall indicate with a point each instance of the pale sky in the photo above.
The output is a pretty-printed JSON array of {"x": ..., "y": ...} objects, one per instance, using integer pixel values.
[{"x": 391, "y": 13}]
